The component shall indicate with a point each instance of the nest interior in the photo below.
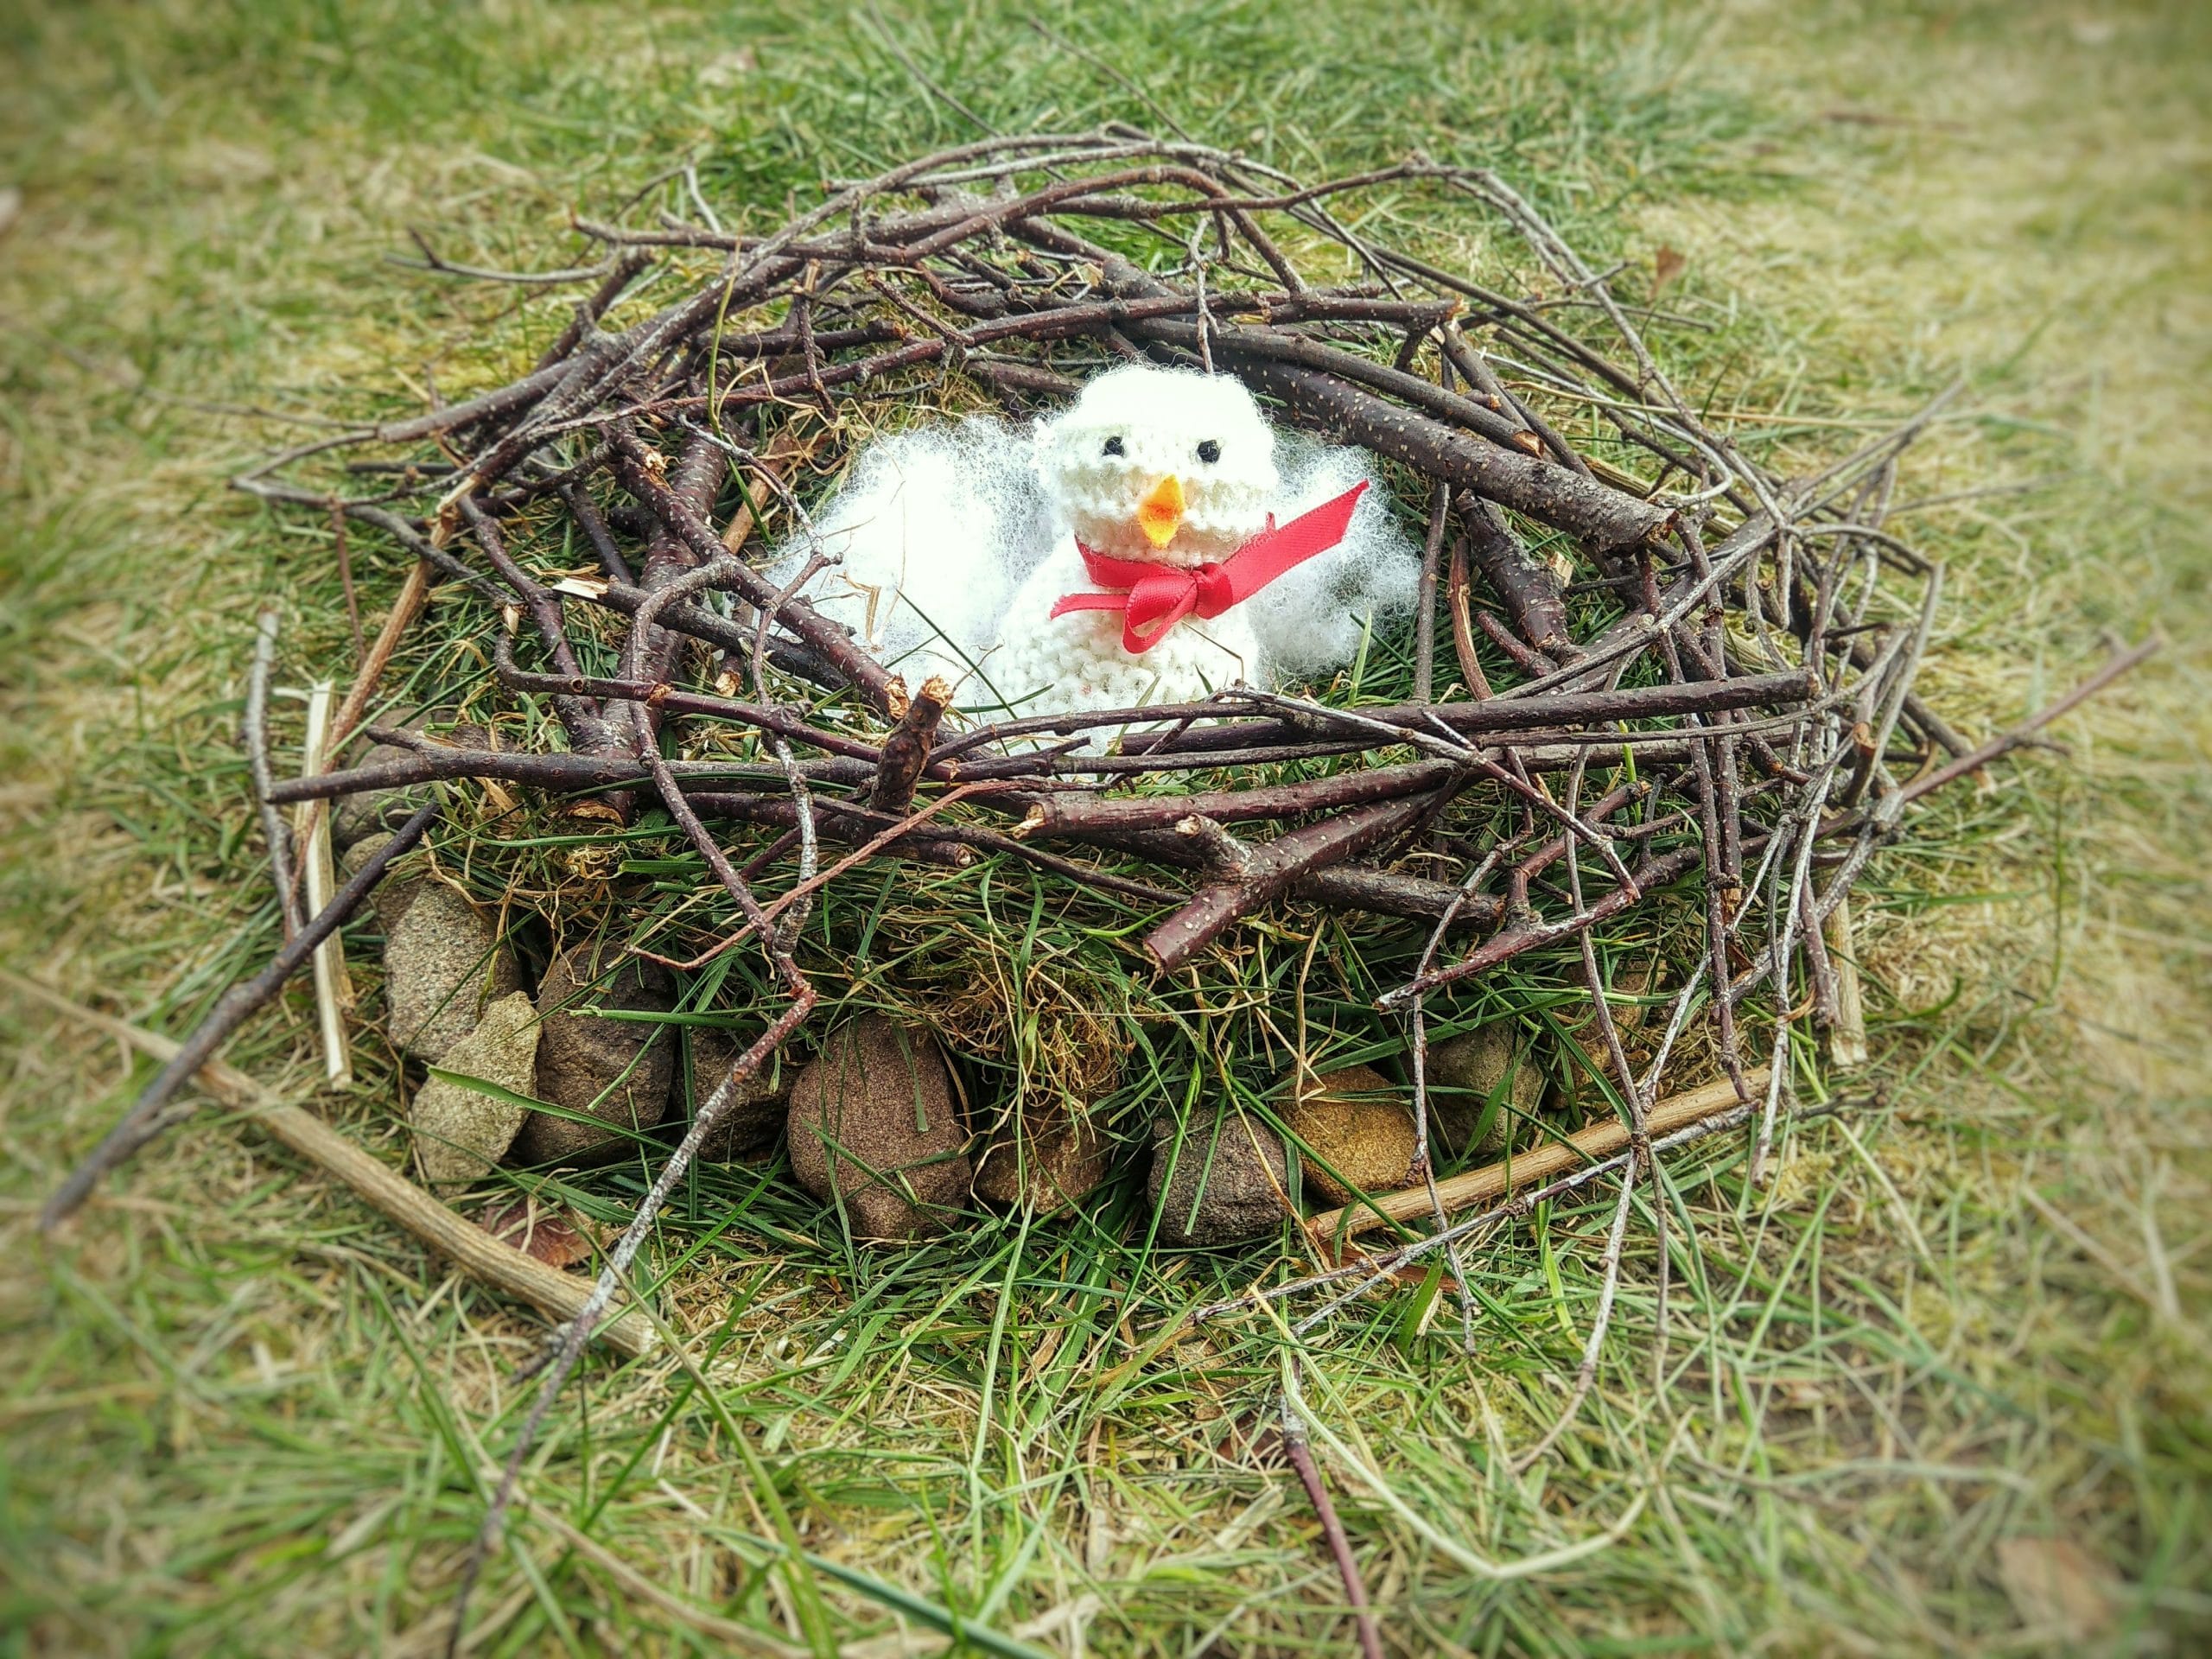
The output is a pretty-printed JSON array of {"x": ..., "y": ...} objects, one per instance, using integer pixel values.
[{"x": 1609, "y": 786}]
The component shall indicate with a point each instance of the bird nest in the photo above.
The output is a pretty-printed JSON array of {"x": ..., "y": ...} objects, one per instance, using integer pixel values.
[{"x": 1652, "y": 717}]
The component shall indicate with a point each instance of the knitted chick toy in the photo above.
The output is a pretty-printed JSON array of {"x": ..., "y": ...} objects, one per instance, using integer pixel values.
[{"x": 1154, "y": 543}]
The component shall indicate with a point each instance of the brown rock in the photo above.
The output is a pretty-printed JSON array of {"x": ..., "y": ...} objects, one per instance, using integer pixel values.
[
  {"x": 390, "y": 897},
  {"x": 460, "y": 1133},
  {"x": 615, "y": 1072},
  {"x": 874, "y": 1129},
  {"x": 1359, "y": 1125},
  {"x": 1469, "y": 1074},
  {"x": 443, "y": 961},
  {"x": 753, "y": 1120},
  {"x": 1043, "y": 1166},
  {"x": 1228, "y": 1183}
]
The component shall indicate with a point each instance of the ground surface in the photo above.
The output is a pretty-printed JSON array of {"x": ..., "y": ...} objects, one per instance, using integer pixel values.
[{"x": 1949, "y": 1393}]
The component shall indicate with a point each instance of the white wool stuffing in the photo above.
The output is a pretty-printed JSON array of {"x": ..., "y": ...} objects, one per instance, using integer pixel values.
[
  {"x": 1310, "y": 619},
  {"x": 932, "y": 531},
  {"x": 936, "y": 529}
]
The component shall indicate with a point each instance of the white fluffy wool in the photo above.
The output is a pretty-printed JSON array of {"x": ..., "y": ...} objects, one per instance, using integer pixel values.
[
  {"x": 939, "y": 532},
  {"x": 932, "y": 531}
]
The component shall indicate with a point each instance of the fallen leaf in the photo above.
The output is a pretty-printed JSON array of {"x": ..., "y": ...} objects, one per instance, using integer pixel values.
[
  {"x": 2055, "y": 1585},
  {"x": 536, "y": 1230},
  {"x": 1666, "y": 265},
  {"x": 11, "y": 206}
]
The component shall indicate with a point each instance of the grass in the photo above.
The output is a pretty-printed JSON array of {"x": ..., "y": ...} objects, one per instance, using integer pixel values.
[{"x": 1946, "y": 1392}]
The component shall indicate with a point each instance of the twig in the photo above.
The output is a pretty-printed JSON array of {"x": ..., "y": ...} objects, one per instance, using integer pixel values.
[
  {"x": 907, "y": 751},
  {"x": 145, "y": 1118},
  {"x": 1975, "y": 759},
  {"x": 1847, "y": 1035},
  {"x": 253, "y": 732},
  {"x": 1539, "y": 1163},
  {"x": 484, "y": 1258},
  {"x": 1266, "y": 869},
  {"x": 1294, "y": 1445},
  {"x": 333, "y": 993},
  {"x": 1425, "y": 599}
]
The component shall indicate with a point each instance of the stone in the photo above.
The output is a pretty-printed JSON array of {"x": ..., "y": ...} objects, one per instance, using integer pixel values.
[
  {"x": 1464, "y": 1072},
  {"x": 1043, "y": 1165},
  {"x": 753, "y": 1120},
  {"x": 389, "y": 898},
  {"x": 875, "y": 1130},
  {"x": 444, "y": 963},
  {"x": 1630, "y": 1017},
  {"x": 617, "y": 1073},
  {"x": 1359, "y": 1125},
  {"x": 461, "y": 1134},
  {"x": 1226, "y": 1185}
]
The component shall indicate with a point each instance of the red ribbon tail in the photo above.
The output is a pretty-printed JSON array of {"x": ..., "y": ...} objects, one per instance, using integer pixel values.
[{"x": 1067, "y": 602}]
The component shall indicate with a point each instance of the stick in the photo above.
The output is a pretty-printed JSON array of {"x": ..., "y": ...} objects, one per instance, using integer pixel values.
[
  {"x": 1309, "y": 1476},
  {"x": 1256, "y": 873},
  {"x": 487, "y": 1259},
  {"x": 1975, "y": 761},
  {"x": 907, "y": 751},
  {"x": 1538, "y": 1164},
  {"x": 1848, "y": 1036},
  {"x": 253, "y": 732},
  {"x": 1425, "y": 605},
  {"x": 333, "y": 993},
  {"x": 144, "y": 1119},
  {"x": 1458, "y": 599}
]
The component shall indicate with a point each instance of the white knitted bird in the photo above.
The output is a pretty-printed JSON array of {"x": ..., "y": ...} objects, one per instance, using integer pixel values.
[{"x": 1154, "y": 543}]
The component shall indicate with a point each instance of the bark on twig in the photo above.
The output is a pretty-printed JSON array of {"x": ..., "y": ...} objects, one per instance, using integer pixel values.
[
  {"x": 1540, "y": 1163},
  {"x": 907, "y": 751},
  {"x": 1266, "y": 869}
]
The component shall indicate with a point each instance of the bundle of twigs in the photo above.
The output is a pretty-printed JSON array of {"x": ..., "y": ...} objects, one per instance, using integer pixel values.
[{"x": 1736, "y": 650}]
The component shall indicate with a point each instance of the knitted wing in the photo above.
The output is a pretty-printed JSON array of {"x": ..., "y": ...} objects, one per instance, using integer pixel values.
[
  {"x": 932, "y": 531},
  {"x": 1310, "y": 619}
]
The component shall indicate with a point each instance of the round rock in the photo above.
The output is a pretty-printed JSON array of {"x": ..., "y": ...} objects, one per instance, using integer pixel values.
[
  {"x": 1470, "y": 1073},
  {"x": 874, "y": 1129},
  {"x": 615, "y": 1072},
  {"x": 1361, "y": 1131},
  {"x": 444, "y": 963},
  {"x": 752, "y": 1118},
  {"x": 1042, "y": 1166},
  {"x": 460, "y": 1133},
  {"x": 1229, "y": 1180}
]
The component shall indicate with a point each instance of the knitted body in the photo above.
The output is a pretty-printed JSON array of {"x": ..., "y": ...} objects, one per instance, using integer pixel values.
[
  {"x": 953, "y": 545},
  {"x": 1052, "y": 665}
]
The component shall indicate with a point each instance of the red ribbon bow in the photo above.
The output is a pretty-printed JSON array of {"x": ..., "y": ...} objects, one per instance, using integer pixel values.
[{"x": 1154, "y": 598}]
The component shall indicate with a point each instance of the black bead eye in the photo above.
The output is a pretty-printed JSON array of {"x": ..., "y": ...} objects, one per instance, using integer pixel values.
[
  {"x": 1114, "y": 446},
  {"x": 1209, "y": 452}
]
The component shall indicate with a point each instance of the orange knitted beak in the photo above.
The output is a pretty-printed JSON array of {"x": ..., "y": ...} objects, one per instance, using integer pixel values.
[{"x": 1160, "y": 512}]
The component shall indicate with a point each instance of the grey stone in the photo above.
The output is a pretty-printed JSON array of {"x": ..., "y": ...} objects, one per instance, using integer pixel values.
[
  {"x": 1465, "y": 1071},
  {"x": 443, "y": 961},
  {"x": 617, "y": 1071},
  {"x": 1227, "y": 1183},
  {"x": 459, "y": 1133},
  {"x": 875, "y": 1127}
]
